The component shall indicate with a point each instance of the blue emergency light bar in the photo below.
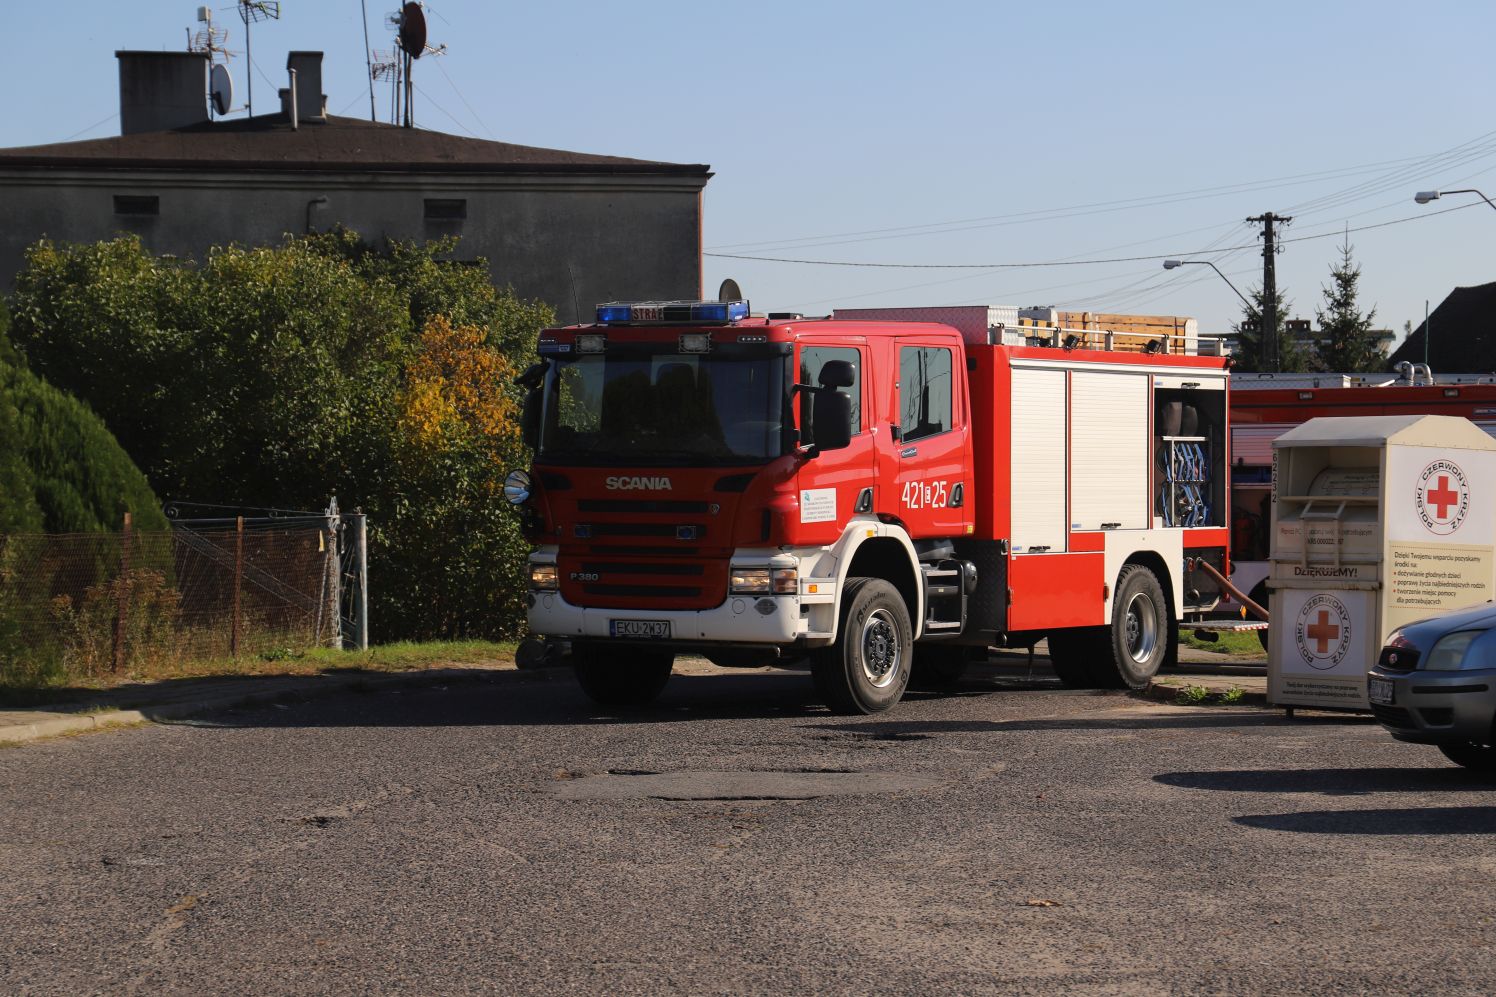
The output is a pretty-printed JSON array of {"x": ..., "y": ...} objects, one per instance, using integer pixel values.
[{"x": 667, "y": 312}]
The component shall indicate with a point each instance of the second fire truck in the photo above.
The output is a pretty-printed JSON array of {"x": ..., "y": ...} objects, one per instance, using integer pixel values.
[{"x": 872, "y": 498}]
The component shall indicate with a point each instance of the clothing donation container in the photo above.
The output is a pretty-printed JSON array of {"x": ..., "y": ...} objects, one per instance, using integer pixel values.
[{"x": 1377, "y": 521}]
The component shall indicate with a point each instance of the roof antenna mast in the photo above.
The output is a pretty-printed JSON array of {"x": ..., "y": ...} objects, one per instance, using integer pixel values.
[
  {"x": 252, "y": 12},
  {"x": 368, "y": 58}
]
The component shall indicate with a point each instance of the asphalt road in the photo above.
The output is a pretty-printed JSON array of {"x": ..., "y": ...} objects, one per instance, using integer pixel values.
[{"x": 1010, "y": 838}]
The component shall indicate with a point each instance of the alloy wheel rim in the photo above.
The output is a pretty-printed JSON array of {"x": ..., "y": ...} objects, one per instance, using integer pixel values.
[
  {"x": 880, "y": 648},
  {"x": 1142, "y": 628}
]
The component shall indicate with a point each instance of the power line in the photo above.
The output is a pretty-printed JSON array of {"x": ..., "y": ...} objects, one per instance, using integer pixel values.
[
  {"x": 84, "y": 131},
  {"x": 1064, "y": 263},
  {"x": 476, "y": 116}
]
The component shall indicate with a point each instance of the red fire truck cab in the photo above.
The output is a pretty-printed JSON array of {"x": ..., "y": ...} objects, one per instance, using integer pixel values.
[{"x": 876, "y": 499}]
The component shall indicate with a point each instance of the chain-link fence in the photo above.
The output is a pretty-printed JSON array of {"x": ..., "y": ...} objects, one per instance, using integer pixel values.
[{"x": 82, "y": 605}]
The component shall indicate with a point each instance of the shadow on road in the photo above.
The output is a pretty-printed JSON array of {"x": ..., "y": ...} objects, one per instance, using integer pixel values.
[
  {"x": 1412, "y": 821},
  {"x": 1192, "y": 720},
  {"x": 1335, "y": 782}
]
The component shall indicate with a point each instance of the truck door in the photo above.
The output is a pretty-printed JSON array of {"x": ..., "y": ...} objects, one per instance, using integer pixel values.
[
  {"x": 933, "y": 479},
  {"x": 831, "y": 485}
]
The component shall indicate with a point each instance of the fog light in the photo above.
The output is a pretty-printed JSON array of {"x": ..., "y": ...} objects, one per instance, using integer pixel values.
[{"x": 543, "y": 577}]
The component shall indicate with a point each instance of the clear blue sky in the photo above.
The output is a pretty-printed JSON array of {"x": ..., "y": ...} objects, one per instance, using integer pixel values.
[{"x": 932, "y": 133}]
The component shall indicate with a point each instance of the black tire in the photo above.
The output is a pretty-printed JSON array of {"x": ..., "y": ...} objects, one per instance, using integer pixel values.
[
  {"x": 1138, "y": 637},
  {"x": 1475, "y": 757},
  {"x": 621, "y": 676},
  {"x": 938, "y": 666},
  {"x": 1073, "y": 654},
  {"x": 867, "y": 669}
]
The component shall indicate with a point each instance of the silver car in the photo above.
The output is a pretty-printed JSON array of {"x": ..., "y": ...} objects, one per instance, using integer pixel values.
[{"x": 1435, "y": 683}]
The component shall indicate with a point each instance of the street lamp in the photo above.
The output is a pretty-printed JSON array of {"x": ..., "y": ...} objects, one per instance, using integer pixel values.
[
  {"x": 1425, "y": 196},
  {"x": 1171, "y": 264}
]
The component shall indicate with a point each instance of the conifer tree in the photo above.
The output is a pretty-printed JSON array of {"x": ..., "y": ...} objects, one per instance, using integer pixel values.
[
  {"x": 1293, "y": 356},
  {"x": 1347, "y": 342}
]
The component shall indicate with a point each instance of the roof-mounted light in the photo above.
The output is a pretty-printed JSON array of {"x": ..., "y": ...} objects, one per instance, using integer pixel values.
[
  {"x": 695, "y": 342},
  {"x": 666, "y": 312},
  {"x": 591, "y": 342}
]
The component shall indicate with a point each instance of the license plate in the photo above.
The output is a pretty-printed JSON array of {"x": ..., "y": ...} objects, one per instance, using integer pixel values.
[
  {"x": 651, "y": 629},
  {"x": 1379, "y": 691}
]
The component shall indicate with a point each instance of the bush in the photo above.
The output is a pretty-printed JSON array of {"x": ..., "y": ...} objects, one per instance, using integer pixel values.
[{"x": 278, "y": 376}]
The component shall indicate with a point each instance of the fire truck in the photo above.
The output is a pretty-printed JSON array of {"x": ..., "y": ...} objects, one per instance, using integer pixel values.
[
  {"x": 1265, "y": 406},
  {"x": 874, "y": 499}
]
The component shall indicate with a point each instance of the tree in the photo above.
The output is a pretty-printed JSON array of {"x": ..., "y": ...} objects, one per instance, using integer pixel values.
[
  {"x": 60, "y": 469},
  {"x": 1347, "y": 342},
  {"x": 1292, "y": 355},
  {"x": 278, "y": 376}
]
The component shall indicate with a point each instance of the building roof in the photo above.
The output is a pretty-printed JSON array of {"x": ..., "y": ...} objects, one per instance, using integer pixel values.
[
  {"x": 1464, "y": 332},
  {"x": 334, "y": 144}
]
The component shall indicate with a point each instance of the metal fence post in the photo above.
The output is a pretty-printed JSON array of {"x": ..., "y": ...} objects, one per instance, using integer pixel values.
[
  {"x": 122, "y": 596},
  {"x": 361, "y": 554},
  {"x": 334, "y": 569},
  {"x": 238, "y": 586}
]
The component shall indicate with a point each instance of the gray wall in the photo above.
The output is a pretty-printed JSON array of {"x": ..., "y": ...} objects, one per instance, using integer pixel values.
[{"x": 571, "y": 241}]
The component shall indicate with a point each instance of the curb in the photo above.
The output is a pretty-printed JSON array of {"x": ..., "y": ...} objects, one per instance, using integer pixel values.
[
  {"x": 331, "y": 684},
  {"x": 1167, "y": 692}
]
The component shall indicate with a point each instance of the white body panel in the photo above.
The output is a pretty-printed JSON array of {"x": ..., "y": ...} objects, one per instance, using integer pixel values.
[
  {"x": 1109, "y": 450},
  {"x": 1038, "y": 467}
]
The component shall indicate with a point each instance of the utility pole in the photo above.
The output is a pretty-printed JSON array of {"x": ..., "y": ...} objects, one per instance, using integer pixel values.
[{"x": 1271, "y": 360}]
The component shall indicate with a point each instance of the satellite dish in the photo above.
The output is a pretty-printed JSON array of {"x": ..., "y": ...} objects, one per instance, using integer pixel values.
[
  {"x": 222, "y": 88},
  {"x": 412, "y": 30},
  {"x": 729, "y": 291}
]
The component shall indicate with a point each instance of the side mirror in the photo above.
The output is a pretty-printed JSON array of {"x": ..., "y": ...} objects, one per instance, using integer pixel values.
[{"x": 832, "y": 418}]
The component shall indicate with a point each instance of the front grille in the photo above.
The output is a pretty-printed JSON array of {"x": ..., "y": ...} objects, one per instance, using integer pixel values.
[
  {"x": 643, "y": 505},
  {"x": 639, "y": 530},
  {"x": 1440, "y": 716},
  {"x": 1394, "y": 716},
  {"x": 644, "y": 591},
  {"x": 1407, "y": 659},
  {"x": 641, "y": 568}
]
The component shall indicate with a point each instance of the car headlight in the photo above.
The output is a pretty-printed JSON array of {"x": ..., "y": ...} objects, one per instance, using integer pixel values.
[
  {"x": 517, "y": 488},
  {"x": 1448, "y": 654},
  {"x": 543, "y": 577},
  {"x": 762, "y": 581}
]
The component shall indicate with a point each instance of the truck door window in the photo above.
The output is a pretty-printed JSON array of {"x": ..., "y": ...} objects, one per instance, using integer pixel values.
[
  {"x": 924, "y": 392},
  {"x": 813, "y": 358}
]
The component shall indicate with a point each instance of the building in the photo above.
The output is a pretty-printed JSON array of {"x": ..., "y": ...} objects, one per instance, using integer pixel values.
[
  {"x": 569, "y": 228},
  {"x": 1459, "y": 335}
]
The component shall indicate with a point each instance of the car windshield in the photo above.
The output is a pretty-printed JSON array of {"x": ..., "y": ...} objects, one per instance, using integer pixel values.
[{"x": 643, "y": 407}]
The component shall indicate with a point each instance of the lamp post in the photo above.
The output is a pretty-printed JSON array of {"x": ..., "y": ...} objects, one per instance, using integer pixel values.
[
  {"x": 1425, "y": 196},
  {"x": 1171, "y": 264}
]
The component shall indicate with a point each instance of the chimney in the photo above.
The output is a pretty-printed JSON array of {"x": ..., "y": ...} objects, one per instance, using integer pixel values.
[
  {"x": 310, "y": 103},
  {"x": 162, "y": 90}
]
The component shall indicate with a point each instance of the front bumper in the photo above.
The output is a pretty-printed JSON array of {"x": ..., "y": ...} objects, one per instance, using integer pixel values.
[
  {"x": 741, "y": 619},
  {"x": 1438, "y": 707}
]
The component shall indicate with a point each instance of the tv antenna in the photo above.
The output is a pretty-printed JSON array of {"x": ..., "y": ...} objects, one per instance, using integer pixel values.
[
  {"x": 410, "y": 41},
  {"x": 253, "y": 12},
  {"x": 208, "y": 38}
]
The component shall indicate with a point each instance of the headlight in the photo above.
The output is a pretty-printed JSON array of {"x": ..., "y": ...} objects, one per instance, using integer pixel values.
[
  {"x": 762, "y": 581},
  {"x": 517, "y": 487},
  {"x": 1448, "y": 654},
  {"x": 543, "y": 577}
]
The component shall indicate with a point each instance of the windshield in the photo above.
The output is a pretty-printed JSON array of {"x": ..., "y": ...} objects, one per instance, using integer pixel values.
[{"x": 646, "y": 407}]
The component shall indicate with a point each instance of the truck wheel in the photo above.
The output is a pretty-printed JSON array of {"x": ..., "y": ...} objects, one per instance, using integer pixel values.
[
  {"x": 622, "y": 677},
  {"x": 1073, "y": 655},
  {"x": 1476, "y": 757},
  {"x": 868, "y": 667},
  {"x": 938, "y": 666},
  {"x": 1139, "y": 633}
]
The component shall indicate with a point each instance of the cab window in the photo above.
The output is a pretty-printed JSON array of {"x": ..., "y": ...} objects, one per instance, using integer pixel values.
[
  {"x": 812, "y": 359},
  {"x": 924, "y": 392}
]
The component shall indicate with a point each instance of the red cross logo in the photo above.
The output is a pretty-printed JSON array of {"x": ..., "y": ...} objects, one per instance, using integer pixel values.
[
  {"x": 1442, "y": 497},
  {"x": 1323, "y": 631}
]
